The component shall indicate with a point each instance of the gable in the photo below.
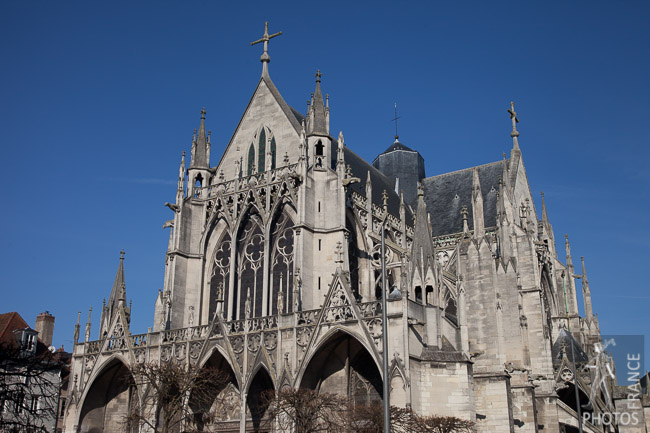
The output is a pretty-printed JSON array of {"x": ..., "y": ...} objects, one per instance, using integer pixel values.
[{"x": 267, "y": 110}]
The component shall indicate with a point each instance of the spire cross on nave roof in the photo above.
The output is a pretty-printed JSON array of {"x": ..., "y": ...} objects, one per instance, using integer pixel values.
[
  {"x": 514, "y": 118},
  {"x": 266, "y": 38}
]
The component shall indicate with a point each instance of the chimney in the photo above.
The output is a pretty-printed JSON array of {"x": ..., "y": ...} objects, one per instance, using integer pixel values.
[{"x": 45, "y": 327}]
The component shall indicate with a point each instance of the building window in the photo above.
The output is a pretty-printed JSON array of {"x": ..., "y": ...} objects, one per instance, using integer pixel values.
[
  {"x": 273, "y": 151},
  {"x": 251, "y": 160},
  {"x": 261, "y": 152}
]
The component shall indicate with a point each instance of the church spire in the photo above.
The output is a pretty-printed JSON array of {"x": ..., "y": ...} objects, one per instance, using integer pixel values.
[
  {"x": 200, "y": 146},
  {"x": 544, "y": 213},
  {"x": 265, "y": 58},
  {"x": 318, "y": 122},
  {"x": 180, "y": 191},
  {"x": 117, "y": 297},
  {"x": 477, "y": 206},
  {"x": 586, "y": 293}
]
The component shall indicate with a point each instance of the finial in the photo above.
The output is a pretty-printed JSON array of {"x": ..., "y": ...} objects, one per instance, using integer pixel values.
[
  {"x": 203, "y": 113},
  {"x": 384, "y": 198},
  {"x": 420, "y": 190},
  {"x": 265, "y": 58},
  {"x": 318, "y": 75},
  {"x": 348, "y": 171},
  {"x": 395, "y": 120},
  {"x": 515, "y": 120},
  {"x": 504, "y": 155},
  {"x": 122, "y": 254},
  {"x": 464, "y": 212},
  {"x": 327, "y": 100}
]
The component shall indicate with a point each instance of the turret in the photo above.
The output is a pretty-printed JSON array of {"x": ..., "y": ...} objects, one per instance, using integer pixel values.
[
  {"x": 403, "y": 166},
  {"x": 318, "y": 141},
  {"x": 198, "y": 172}
]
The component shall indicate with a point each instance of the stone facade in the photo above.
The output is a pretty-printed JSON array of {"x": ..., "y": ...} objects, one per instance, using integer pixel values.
[{"x": 273, "y": 274}]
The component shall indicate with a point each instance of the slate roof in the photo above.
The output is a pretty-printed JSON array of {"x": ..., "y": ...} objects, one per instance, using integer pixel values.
[
  {"x": 380, "y": 182},
  {"x": 446, "y": 194},
  {"x": 396, "y": 146},
  {"x": 564, "y": 341}
]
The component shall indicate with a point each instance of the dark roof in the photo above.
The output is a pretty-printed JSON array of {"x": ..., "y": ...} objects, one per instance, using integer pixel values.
[
  {"x": 298, "y": 115},
  {"x": 563, "y": 344},
  {"x": 380, "y": 182},
  {"x": 446, "y": 194},
  {"x": 397, "y": 146}
]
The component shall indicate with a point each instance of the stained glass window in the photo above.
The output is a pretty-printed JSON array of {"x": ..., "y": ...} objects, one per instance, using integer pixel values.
[
  {"x": 250, "y": 255},
  {"x": 251, "y": 159},
  {"x": 219, "y": 287},
  {"x": 281, "y": 274},
  {"x": 273, "y": 153},
  {"x": 261, "y": 152}
]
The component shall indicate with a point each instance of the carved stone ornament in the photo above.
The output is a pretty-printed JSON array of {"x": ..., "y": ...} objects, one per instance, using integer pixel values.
[{"x": 566, "y": 375}]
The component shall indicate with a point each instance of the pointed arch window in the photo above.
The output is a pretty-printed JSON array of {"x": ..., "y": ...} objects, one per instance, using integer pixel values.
[
  {"x": 251, "y": 159},
  {"x": 281, "y": 265},
  {"x": 250, "y": 263},
  {"x": 220, "y": 292},
  {"x": 273, "y": 151},
  {"x": 261, "y": 152}
]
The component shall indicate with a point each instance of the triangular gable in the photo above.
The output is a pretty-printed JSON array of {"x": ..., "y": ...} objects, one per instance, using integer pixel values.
[
  {"x": 118, "y": 336},
  {"x": 340, "y": 306},
  {"x": 265, "y": 108}
]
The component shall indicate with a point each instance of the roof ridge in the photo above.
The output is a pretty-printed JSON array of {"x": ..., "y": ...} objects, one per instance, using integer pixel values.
[{"x": 463, "y": 169}]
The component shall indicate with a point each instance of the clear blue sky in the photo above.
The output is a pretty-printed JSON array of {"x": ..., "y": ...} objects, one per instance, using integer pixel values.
[{"x": 99, "y": 99}]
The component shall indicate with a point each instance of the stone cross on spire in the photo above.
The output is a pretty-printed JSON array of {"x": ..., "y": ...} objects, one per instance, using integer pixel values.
[
  {"x": 515, "y": 120},
  {"x": 318, "y": 75},
  {"x": 265, "y": 58}
]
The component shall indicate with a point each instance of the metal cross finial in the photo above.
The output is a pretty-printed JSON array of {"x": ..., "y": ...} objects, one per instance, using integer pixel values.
[
  {"x": 122, "y": 254},
  {"x": 514, "y": 118},
  {"x": 203, "y": 113},
  {"x": 339, "y": 252},
  {"x": 318, "y": 75},
  {"x": 266, "y": 38},
  {"x": 395, "y": 120}
]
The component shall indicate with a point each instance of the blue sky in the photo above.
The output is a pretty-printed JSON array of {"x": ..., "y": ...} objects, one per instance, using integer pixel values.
[{"x": 99, "y": 99}]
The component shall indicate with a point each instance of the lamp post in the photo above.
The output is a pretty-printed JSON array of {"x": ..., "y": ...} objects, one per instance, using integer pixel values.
[{"x": 384, "y": 329}]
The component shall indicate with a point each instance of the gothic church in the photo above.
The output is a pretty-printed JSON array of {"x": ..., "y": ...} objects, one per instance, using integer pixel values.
[{"x": 273, "y": 275}]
